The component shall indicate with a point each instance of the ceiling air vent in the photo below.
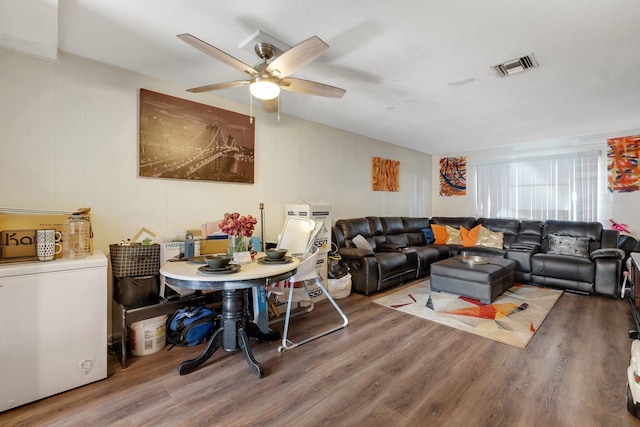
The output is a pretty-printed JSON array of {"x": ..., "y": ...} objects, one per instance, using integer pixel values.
[{"x": 516, "y": 65}]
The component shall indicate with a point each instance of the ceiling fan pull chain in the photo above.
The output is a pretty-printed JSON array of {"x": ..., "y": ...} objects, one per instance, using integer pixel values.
[{"x": 278, "y": 108}]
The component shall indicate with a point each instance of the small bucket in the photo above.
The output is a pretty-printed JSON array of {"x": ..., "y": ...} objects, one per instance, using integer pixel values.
[{"x": 148, "y": 336}]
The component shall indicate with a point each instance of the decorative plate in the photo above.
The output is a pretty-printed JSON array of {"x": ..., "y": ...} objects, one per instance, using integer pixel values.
[
  {"x": 474, "y": 259},
  {"x": 231, "y": 268},
  {"x": 265, "y": 260}
]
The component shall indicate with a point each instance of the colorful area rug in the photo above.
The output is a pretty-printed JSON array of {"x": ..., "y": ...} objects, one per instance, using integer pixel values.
[{"x": 513, "y": 318}]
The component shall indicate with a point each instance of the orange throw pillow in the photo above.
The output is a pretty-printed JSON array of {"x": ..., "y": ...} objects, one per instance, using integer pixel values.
[
  {"x": 440, "y": 233},
  {"x": 469, "y": 237}
]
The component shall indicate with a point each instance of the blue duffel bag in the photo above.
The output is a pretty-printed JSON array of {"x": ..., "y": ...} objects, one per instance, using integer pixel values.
[{"x": 190, "y": 326}]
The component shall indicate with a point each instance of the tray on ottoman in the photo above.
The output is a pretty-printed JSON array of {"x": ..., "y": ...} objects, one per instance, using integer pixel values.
[{"x": 483, "y": 279}]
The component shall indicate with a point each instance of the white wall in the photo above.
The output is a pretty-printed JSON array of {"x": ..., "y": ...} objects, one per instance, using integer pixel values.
[
  {"x": 622, "y": 207},
  {"x": 69, "y": 139}
]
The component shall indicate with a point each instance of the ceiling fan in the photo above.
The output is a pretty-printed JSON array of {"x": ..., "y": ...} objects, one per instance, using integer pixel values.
[{"x": 267, "y": 78}]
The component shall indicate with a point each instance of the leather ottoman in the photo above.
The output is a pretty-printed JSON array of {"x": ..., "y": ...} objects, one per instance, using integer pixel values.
[{"x": 484, "y": 282}]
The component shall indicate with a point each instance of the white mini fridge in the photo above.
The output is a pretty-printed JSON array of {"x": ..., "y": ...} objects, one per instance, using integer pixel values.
[{"x": 53, "y": 327}]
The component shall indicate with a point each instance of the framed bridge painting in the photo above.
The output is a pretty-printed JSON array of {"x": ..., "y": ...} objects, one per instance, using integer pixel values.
[{"x": 181, "y": 139}]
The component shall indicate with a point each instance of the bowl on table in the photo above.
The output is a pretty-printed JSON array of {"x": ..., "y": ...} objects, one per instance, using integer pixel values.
[
  {"x": 218, "y": 260},
  {"x": 275, "y": 254}
]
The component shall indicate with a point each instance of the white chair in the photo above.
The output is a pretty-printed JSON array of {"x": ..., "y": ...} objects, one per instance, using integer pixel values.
[
  {"x": 296, "y": 234},
  {"x": 307, "y": 273}
]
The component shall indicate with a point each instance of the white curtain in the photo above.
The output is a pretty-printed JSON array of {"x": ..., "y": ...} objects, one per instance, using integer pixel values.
[{"x": 564, "y": 188}]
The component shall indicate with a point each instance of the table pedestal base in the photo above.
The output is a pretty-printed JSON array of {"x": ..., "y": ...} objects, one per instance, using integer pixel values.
[{"x": 233, "y": 334}]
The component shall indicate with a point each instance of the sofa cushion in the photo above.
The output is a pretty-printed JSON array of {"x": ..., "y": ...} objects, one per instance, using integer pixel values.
[
  {"x": 392, "y": 225},
  {"x": 353, "y": 227},
  {"x": 440, "y": 233},
  {"x": 509, "y": 227},
  {"x": 428, "y": 236},
  {"x": 455, "y": 221},
  {"x": 530, "y": 232},
  {"x": 469, "y": 237},
  {"x": 454, "y": 236},
  {"x": 415, "y": 224},
  {"x": 553, "y": 269},
  {"x": 361, "y": 243},
  {"x": 413, "y": 227},
  {"x": 491, "y": 239},
  {"x": 589, "y": 230},
  {"x": 567, "y": 245}
]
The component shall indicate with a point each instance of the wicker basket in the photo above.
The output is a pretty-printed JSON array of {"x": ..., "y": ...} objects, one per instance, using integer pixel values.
[{"x": 135, "y": 260}]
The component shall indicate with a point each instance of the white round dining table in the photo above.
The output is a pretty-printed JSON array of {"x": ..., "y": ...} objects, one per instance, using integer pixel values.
[{"x": 235, "y": 321}]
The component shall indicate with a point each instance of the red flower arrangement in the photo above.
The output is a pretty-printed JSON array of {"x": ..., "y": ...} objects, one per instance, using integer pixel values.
[{"x": 235, "y": 224}]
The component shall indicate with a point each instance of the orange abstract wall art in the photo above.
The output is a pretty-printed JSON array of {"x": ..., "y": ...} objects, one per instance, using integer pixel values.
[
  {"x": 453, "y": 176},
  {"x": 622, "y": 164},
  {"x": 384, "y": 174}
]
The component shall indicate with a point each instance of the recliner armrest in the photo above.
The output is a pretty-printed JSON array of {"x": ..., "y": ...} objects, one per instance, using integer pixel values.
[
  {"x": 354, "y": 253},
  {"x": 607, "y": 253},
  {"x": 534, "y": 247},
  {"x": 390, "y": 247}
]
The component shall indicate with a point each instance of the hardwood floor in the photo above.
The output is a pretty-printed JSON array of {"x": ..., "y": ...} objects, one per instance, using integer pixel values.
[{"x": 385, "y": 369}]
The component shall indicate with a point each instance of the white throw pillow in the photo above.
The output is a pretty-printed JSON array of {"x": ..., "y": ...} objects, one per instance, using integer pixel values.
[{"x": 361, "y": 242}]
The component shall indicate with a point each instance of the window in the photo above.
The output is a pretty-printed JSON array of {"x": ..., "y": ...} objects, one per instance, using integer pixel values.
[{"x": 564, "y": 188}]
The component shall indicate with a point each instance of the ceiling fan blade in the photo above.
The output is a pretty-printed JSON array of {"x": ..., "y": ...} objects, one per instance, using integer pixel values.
[
  {"x": 297, "y": 57},
  {"x": 217, "y": 54},
  {"x": 218, "y": 86},
  {"x": 311, "y": 88},
  {"x": 270, "y": 105}
]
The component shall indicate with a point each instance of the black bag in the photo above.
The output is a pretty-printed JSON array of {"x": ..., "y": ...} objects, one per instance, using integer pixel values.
[
  {"x": 190, "y": 326},
  {"x": 135, "y": 291},
  {"x": 336, "y": 267}
]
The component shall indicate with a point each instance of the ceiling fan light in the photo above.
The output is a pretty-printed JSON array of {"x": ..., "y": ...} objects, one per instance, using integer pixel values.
[{"x": 264, "y": 88}]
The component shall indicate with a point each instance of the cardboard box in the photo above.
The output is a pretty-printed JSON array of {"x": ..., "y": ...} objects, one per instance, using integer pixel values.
[
  {"x": 22, "y": 220},
  {"x": 17, "y": 244},
  {"x": 319, "y": 211},
  {"x": 214, "y": 246}
]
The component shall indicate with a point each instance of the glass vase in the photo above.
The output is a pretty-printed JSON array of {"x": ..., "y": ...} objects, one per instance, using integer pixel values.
[{"x": 237, "y": 244}]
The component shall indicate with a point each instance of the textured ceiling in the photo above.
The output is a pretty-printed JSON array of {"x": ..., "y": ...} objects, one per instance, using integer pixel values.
[{"x": 417, "y": 73}]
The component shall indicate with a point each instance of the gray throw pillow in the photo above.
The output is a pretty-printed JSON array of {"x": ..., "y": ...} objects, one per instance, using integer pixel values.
[
  {"x": 567, "y": 245},
  {"x": 361, "y": 243}
]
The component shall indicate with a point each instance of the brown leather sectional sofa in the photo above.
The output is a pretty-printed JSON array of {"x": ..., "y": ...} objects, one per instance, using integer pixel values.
[{"x": 398, "y": 251}]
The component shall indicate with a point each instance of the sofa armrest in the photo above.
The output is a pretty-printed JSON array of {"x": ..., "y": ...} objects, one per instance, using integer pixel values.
[
  {"x": 390, "y": 247},
  {"x": 607, "y": 253},
  {"x": 608, "y": 271},
  {"x": 609, "y": 239},
  {"x": 354, "y": 253},
  {"x": 522, "y": 246}
]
